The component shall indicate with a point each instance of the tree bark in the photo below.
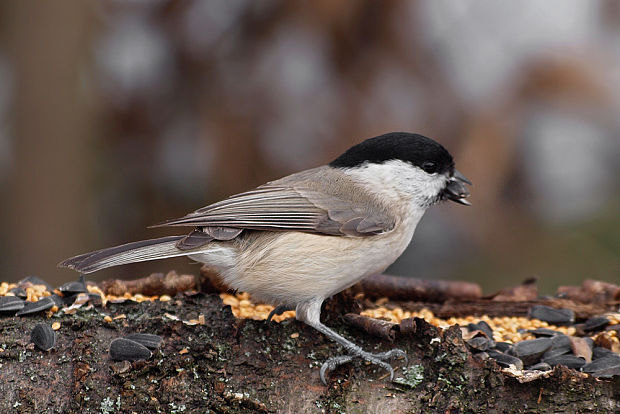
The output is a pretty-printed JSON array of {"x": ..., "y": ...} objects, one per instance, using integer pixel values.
[{"x": 229, "y": 365}]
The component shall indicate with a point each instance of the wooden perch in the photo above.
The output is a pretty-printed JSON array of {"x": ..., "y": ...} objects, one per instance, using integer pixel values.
[{"x": 229, "y": 365}]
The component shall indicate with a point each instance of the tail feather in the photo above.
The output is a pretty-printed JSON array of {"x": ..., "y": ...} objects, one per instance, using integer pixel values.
[{"x": 141, "y": 251}]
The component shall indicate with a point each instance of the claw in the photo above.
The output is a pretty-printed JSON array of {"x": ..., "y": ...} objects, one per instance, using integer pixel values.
[
  {"x": 376, "y": 359},
  {"x": 332, "y": 363},
  {"x": 278, "y": 310}
]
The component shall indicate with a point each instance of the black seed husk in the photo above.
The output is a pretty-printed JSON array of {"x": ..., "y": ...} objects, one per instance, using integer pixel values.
[
  {"x": 552, "y": 315},
  {"x": 77, "y": 286},
  {"x": 123, "y": 349},
  {"x": 595, "y": 324},
  {"x": 607, "y": 362},
  {"x": 600, "y": 352},
  {"x": 19, "y": 292},
  {"x": 43, "y": 336},
  {"x": 569, "y": 361},
  {"x": 148, "y": 340},
  {"x": 58, "y": 301},
  {"x": 505, "y": 360},
  {"x": 479, "y": 343},
  {"x": 38, "y": 306},
  {"x": 503, "y": 346},
  {"x": 560, "y": 345},
  {"x": 530, "y": 351},
  {"x": 11, "y": 304},
  {"x": 544, "y": 332},
  {"x": 541, "y": 366},
  {"x": 36, "y": 281}
]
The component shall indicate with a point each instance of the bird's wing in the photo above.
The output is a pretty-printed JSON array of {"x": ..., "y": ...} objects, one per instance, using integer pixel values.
[{"x": 279, "y": 207}]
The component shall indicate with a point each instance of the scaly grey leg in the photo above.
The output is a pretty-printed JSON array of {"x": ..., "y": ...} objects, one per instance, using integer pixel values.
[{"x": 310, "y": 312}]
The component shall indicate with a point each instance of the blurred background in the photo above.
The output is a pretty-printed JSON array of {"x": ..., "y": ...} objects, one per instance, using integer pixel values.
[{"x": 115, "y": 115}]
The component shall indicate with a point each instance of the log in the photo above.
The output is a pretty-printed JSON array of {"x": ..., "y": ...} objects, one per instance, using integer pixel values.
[{"x": 226, "y": 365}]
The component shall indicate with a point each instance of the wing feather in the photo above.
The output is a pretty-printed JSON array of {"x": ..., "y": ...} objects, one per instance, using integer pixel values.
[{"x": 289, "y": 204}]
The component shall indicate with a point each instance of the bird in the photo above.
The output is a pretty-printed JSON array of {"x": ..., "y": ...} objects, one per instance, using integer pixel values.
[{"x": 298, "y": 240}]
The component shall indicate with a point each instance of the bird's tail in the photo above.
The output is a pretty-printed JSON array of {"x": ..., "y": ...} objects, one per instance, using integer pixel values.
[{"x": 141, "y": 251}]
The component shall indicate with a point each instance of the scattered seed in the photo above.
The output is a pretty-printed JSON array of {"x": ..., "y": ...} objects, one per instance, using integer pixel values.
[
  {"x": 107, "y": 318},
  {"x": 479, "y": 343},
  {"x": 506, "y": 360},
  {"x": 609, "y": 361},
  {"x": 122, "y": 349},
  {"x": 582, "y": 347},
  {"x": 530, "y": 351},
  {"x": 545, "y": 332},
  {"x": 541, "y": 366},
  {"x": 503, "y": 346},
  {"x": 183, "y": 351},
  {"x": 595, "y": 324},
  {"x": 600, "y": 352},
  {"x": 38, "y": 306},
  {"x": 552, "y": 315},
  {"x": 77, "y": 286},
  {"x": 19, "y": 292},
  {"x": 43, "y": 337},
  {"x": 148, "y": 340},
  {"x": 56, "y": 326},
  {"x": 33, "y": 280},
  {"x": 295, "y": 335},
  {"x": 569, "y": 361},
  {"x": 11, "y": 304}
]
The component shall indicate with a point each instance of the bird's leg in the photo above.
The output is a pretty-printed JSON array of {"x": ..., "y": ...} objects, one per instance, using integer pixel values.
[
  {"x": 310, "y": 312},
  {"x": 279, "y": 310}
]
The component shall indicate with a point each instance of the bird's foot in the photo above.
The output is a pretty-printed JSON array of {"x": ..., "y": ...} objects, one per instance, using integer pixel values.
[{"x": 377, "y": 359}]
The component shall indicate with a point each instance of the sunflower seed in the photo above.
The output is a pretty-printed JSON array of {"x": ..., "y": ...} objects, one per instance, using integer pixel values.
[
  {"x": 33, "y": 280},
  {"x": 77, "y": 286},
  {"x": 122, "y": 349},
  {"x": 43, "y": 337},
  {"x": 595, "y": 324},
  {"x": 38, "y": 306},
  {"x": 560, "y": 346},
  {"x": 569, "y": 361},
  {"x": 11, "y": 304},
  {"x": 541, "y": 366},
  {"x": 505, "y": 360},
  {"x": 503, "y": 346},
  {"x": 552, "y": 315},
  {"x": 607, "y": 362},
  {"x": 148, "y": 340},
  {"x": 19, "y": 292},
  {"x": 600, "y": 352},
  {"x": 543, "y": 332},
  {"x": 530, "y": 351}
]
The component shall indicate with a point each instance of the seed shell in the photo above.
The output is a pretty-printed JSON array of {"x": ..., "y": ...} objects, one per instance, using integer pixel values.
[
  {"x": 77, "y": 286},
  {"x": 148, "y": 340},
  {"x": 38, "y": 306},
  {"x": 123, "y": 349},
  {"x": 552, "y": 315},
  {"x": 43, "y": 337},
  {"x": 11, "y": 304}
]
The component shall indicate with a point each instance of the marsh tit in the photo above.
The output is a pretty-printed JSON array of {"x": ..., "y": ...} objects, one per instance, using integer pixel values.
[{"x": 296, "y": 241}]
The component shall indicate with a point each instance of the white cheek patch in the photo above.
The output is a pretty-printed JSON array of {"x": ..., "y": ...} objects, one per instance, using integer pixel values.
[{"x": 396, "y": 179}]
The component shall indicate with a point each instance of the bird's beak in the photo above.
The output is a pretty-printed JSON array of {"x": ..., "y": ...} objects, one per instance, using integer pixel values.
[{"x": 455, "y": 189}]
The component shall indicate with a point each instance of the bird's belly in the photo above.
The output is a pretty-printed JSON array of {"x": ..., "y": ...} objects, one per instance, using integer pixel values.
[{"x": 292, "y": 267}]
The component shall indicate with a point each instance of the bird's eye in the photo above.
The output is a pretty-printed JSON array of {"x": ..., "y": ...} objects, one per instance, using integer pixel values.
[{"x": 429, "y": 166}]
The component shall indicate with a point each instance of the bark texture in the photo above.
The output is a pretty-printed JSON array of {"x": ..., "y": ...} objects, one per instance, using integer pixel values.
[{"x": 228, "y": 365}]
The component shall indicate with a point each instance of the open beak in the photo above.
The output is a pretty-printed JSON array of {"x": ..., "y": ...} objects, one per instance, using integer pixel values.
[{"x": 455, "y": 189}]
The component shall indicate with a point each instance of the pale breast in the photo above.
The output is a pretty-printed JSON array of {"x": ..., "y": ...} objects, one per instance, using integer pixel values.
[{"x": 292, "y": 267}]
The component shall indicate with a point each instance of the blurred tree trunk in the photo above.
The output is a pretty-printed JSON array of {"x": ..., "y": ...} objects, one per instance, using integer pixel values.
[{"x": 48, "y": 44}]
